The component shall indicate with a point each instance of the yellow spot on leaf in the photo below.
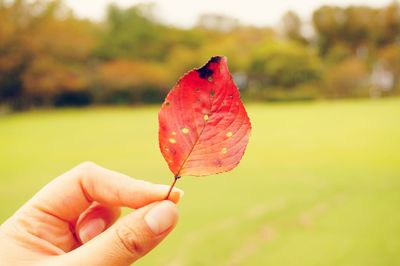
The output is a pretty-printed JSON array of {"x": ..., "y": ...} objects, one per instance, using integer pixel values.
[
  {"x": 185, "y": 130},
  {"x": 172, "y": 140},
  {"x": 224, "y": 150},
  {"x": 229, "y": 134},
  {"x": 205, "y": 117}
]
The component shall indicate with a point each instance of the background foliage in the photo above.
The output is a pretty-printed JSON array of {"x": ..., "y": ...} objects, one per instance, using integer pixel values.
[{"x": 49, "y": 57}]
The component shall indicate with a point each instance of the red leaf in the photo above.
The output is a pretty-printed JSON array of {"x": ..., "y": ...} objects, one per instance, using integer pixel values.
[{"x": 203, "y": 126}]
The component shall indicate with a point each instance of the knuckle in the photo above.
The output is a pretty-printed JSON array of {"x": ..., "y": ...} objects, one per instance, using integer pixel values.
[
  {"x": 84, "y": 172},
  {"x": 131, "y": 240},
  {"x": 86, "y": 167}
]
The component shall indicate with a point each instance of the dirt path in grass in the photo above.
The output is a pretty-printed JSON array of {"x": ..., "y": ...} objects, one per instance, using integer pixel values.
[
  {"x": 196, "y": 237},
  {"x": 305, "y": 219},
  {"x": 264, "y": 235}
]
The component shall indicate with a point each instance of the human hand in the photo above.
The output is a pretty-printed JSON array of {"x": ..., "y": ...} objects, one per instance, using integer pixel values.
[{"x": 71, "y": 220}]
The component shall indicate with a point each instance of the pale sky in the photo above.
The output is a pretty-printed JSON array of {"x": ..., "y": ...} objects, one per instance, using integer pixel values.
[{"x": 184, "y": 13}]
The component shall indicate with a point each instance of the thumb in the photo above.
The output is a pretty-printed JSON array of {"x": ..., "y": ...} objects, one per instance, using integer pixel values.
[{"x": 130, "y": 238}]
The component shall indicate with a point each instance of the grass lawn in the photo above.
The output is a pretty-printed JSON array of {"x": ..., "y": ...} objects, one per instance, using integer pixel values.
[{"x": 318, "y": 185}]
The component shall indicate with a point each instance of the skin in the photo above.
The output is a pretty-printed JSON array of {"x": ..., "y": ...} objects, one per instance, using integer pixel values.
[{"x": 73, "y": 220}]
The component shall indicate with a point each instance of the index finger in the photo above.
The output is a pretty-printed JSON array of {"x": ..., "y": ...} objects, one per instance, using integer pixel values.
[{"x": 67, "y": 196}]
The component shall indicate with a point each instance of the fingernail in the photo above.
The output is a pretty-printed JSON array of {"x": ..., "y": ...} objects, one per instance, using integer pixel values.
[
  {"x": 161, "y": 217},
  {"x": 180, "y": 191},
  {"x": 91, "y": 229},
  {"x": 175, "y": 189}
]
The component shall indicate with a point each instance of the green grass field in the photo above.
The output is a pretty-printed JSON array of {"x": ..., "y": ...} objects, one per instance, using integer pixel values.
[{"x": 318, "y": 185}]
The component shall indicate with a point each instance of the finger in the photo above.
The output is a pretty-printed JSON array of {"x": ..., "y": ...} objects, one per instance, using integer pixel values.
[
  {"x": 69, "y": 195},
  {"x": 95, "y": 220},
  {"x": 128, "y": 239}
]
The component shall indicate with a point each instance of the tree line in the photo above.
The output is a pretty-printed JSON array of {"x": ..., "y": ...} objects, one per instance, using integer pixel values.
[{"x": 49, "y": 57}]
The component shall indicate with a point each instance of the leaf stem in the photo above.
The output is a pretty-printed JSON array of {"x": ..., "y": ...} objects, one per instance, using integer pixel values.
[{"x": 172, "y": 186}]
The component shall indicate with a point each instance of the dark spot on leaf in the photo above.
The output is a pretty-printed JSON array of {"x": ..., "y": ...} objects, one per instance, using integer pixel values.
[
  {"x": 173, "y": 151},
  {"x": 215, "y": 59},
  {"x": 205, "y": 72},
  {"x": 218, "y": 163}
]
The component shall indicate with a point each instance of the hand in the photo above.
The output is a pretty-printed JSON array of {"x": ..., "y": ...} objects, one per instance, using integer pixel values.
[{"x": 71, "y": 220}]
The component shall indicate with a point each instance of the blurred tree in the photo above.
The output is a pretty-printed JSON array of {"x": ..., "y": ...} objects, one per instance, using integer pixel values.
[
  {"x": 12, "y": 55},
  {"x": 363, "y": 29},
  {"x": 347, "y": 79},
  {"x": 389, "y": 58},
  {"x": 292, "y": 27},
  {"x": 45, "y": 79},
  {"x": 328, "y": 23},
  {"x": 387, "y": 25},
  {"x": 125, "y": 81},
  {"x": 350, "y": 26},
  {"x": 285, "y": 64},
  {"x": 358, "y": 27},
  {"x": 338, "y": 53},
  {"x": 43, "y": 53},
  {"x": 133, "y": 33}
]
